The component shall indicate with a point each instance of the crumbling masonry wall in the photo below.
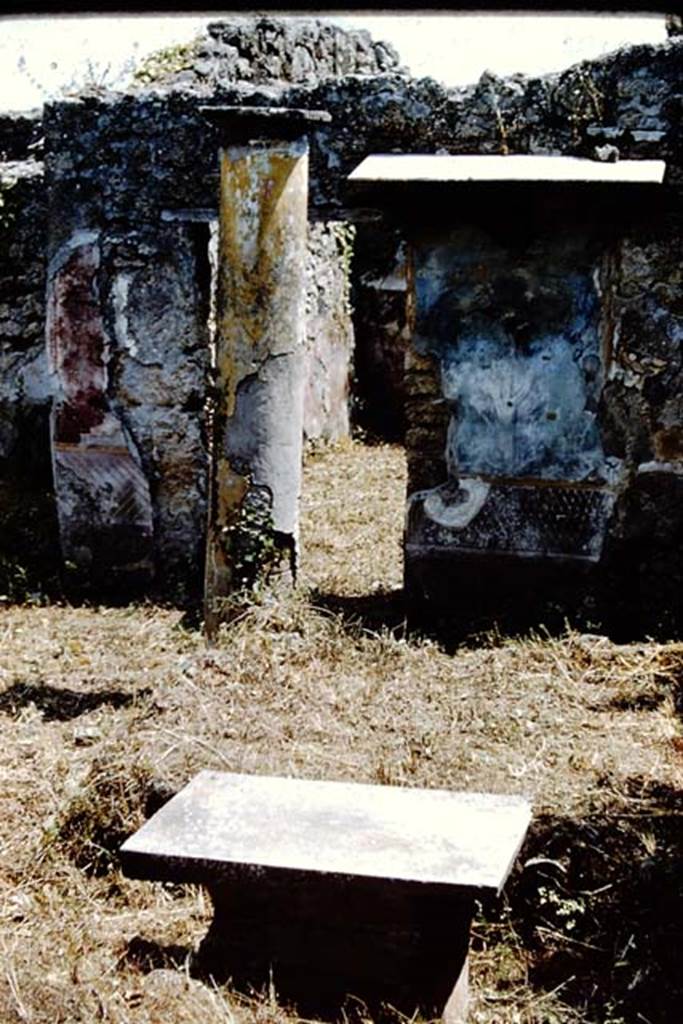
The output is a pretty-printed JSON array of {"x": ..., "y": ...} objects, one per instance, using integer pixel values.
[
  {"x": 266, "y": 50},
  {"x": 329, "y": 342},
  {"x": 132, "y": 195},
  {"x": 29, "y": 544},
  {"x": 151, "y": 230},
  {"x": 139, "y": 174},
  {"x": 24, "y": 386}
]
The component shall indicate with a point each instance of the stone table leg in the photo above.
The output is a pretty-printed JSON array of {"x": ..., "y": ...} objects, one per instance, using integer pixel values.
[{"x": 325, "y": 941}]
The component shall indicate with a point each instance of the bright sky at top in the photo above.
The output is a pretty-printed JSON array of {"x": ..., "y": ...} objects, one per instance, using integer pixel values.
[{"x": 44, "y": 57}]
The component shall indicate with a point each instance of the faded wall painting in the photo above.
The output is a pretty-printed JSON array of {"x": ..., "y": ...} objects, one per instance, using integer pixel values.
[{"x": 517, "y": 332}]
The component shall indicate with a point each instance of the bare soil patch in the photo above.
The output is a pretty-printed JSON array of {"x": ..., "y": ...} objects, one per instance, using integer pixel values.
[{"x": 104, "y": 712}]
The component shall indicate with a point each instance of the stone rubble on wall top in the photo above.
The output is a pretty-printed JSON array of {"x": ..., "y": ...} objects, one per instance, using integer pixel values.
[{"x": 301, "y": 51}]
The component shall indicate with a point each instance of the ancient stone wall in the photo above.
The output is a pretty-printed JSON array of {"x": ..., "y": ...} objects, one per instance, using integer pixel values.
[
  {"x": 643, "y": 422},
  {"x": 128, "y": 225},
  {"x": 139, "y": 177},
  {"x": 630, "y": 99},
  {"x": 627, "y": 104},
  {"x": 21, "y": 136},
  {"x": 23, "y": 382},
  {"x": 264, "y": 50},
  {"x": 135, "y": 178},
  {"x": 329, "y": 331},
  {"x": 629, "y": 107},
  {"x": 22, "y": 282},
  {"x": 28, "y": 539},
  {"x": 529, "y": 435},
  {"x": 132, "y": 190}
]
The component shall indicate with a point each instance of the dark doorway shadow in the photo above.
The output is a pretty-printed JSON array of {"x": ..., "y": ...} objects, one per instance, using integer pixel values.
[{"x": 58, "y": 704}]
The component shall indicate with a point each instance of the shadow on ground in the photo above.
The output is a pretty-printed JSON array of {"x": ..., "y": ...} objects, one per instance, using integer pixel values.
[
  {"x": 145, "y": 956},
  {"x": 597, "y": 903},
  {"x": 392, "y": 611},
  {"x": 381, "y": 610},
  {"x": 58, "y": 704}
]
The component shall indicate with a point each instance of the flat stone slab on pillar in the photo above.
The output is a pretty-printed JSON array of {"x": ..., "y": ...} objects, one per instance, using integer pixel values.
[
  {"x": 265, "y": 122},
  {"x": 442, "y": 167},
  {"x": 337, "y": 889},
  {"x": 222, "y": 821}
]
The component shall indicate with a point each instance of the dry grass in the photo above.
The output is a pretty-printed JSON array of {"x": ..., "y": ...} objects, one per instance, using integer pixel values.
[{"x": 104, "y": 711}]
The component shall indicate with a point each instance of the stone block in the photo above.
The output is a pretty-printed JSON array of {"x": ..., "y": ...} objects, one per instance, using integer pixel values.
[{"x": 336, "y": 889}]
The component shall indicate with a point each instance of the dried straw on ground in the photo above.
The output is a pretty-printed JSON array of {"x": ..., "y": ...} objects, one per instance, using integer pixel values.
[{"x": 105, "y": 711}]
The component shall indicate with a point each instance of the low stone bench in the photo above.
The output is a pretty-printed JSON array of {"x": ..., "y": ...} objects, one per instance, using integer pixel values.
[{"x": 333, "y": 890}]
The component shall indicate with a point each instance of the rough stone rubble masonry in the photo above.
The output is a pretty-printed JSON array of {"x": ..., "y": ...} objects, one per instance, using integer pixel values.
[{"x": 137, "y": 176}]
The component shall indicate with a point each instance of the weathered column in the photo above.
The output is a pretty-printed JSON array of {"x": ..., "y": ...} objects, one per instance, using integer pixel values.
[{"x": 258, "y": 416}]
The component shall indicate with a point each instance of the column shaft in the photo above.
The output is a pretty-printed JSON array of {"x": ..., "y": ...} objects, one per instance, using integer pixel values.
[{"x": 257, "y": 427}]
